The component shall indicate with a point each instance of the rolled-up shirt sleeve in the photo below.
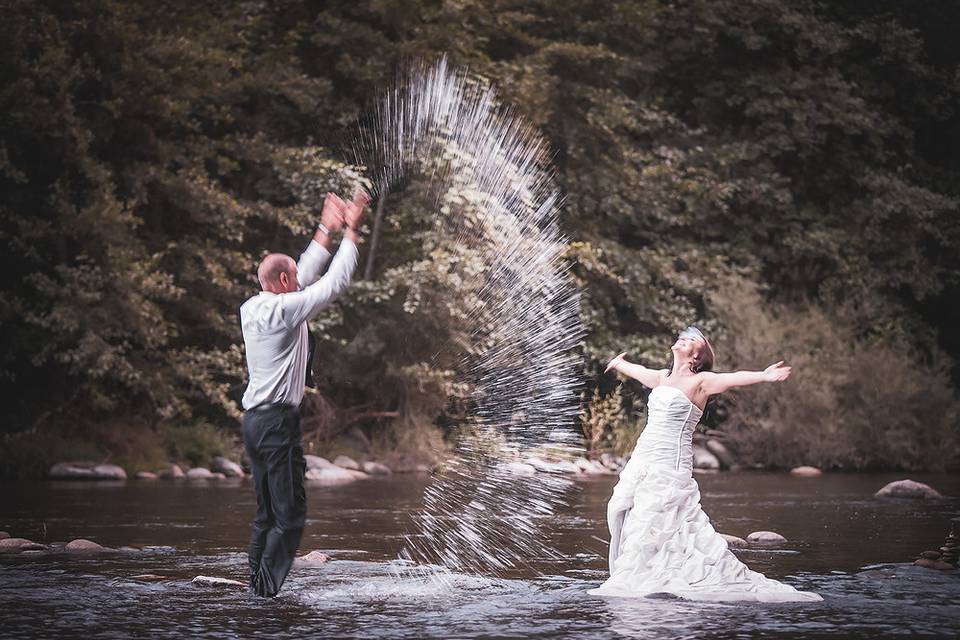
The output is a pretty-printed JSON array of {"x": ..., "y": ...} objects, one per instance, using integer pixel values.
[
  {"x": 303, "y": 305},
  {"x": 312, "y": 261}
]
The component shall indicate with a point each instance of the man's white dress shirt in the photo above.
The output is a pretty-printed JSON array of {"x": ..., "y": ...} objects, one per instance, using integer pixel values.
[{"x": 275, "y": 325}]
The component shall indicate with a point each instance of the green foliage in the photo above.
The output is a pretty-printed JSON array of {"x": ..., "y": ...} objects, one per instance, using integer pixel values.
[
  {"x": 151, "y": 152},
  {"x": 853, "y": 402},
  {"x": 197, "y": 444}
]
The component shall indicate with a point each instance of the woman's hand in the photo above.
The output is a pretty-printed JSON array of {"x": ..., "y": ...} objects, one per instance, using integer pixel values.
[
  {"x": 613, "y": 363},
  {"x": 776, "y": 372}
]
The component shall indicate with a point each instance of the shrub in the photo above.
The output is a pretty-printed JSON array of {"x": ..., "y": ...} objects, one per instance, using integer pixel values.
[{"x": 854, "y": 400}]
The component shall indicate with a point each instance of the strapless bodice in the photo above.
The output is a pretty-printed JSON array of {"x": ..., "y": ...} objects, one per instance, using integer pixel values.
[{"x": 667, "y": 440}]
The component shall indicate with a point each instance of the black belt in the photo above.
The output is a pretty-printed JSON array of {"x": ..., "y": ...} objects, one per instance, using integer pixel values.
[{"x": 283, "y": 406}]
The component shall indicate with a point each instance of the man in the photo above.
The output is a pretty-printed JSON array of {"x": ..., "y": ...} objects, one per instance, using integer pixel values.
[{"x": 274, "y": 326}]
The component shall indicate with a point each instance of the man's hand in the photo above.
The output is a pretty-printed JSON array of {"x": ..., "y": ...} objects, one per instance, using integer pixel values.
[
  {"x": 333, "y": 211},
  {"x": 776, "y": 372},
  {"x": 354, "y": 212}
]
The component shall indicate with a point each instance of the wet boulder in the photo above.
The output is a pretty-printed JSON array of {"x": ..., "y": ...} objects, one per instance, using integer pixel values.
[
  {"x": 733, "y": 541},
  {"x": 720, "y": 451},
  {"x": 520, "y": 469},
  {"x": 330, "y": 476},
  {"x": 376, "y": 468},
  {"x": 227, "y": 467},
  {"x": 146, "y": 475},
  {"x": 703, "y": 459},
  {"x": 81, "y": 545},
  {"x": 346, "y": 462},
  {"x": 806, "y": 472},
  {"x": 4, "y": 535},
  {"x": 109, "y": 472},
  {"x": 316, "y": 462},
  {"x": 612, "y": 462},
  {"x": 908, "y": 489},
  {"x": 213, "y": 582},
  {"x": 199, "y": 473},
  {"x": 172, "y": 472},
  {"x": 19, "y": 544},
  {"x": 766, "y": 537},
  {"x": 313, "y": 559}
]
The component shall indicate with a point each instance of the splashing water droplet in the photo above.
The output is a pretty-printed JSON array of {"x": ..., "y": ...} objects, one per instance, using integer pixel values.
[{"x": 488, "y": 512}]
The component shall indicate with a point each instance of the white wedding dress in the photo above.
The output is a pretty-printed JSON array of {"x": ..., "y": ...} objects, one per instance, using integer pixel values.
[{"x": 661, "y": 541}]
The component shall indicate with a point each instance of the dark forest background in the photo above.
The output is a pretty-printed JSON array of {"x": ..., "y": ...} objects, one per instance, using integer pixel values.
[{"x": 786, "y": 174}]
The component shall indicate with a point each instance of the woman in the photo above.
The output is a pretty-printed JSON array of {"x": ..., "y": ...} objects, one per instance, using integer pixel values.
[{"x": 661, "y": 541}]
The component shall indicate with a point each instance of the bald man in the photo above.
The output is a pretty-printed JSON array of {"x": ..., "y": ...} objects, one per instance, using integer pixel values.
[{"x": 274, "y": 327}]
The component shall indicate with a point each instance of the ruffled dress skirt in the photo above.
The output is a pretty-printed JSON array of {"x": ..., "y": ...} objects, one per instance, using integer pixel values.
[{"x": 661, "y": 541}]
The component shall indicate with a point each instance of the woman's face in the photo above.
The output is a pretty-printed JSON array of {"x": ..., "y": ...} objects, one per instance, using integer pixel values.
[
  {"x": 689, "y": 343},
  {"x": 686, "y": 346}
]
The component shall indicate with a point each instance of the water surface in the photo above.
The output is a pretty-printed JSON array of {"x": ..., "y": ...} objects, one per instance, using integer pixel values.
[{"x": 853, "y": 549}]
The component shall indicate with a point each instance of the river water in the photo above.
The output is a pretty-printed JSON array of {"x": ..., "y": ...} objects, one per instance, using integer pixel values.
[{"x": 853, "y": 549}]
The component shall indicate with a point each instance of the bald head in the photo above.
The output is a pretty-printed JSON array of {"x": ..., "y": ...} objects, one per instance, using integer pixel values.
[{"x": 278, "y": 273}]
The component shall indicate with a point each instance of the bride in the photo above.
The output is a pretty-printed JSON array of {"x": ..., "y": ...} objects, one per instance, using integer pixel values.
[{"x": 661, "y": 541}]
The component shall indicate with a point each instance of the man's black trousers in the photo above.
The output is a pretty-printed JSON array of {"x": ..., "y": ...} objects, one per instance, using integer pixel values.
[{"x": 271, "y": 437}]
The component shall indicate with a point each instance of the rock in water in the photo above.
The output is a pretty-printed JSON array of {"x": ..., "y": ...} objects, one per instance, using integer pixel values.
[
  {"x": 20, "y": 544},
  {"x": 316, "y": 462},
  {"x": 146, "y": 475},
  {"x": 723, "y": 454},
  {"x": 210, "y": 581},
  {"x": 346, "y": 462},
  {"x": 314, "y": 558},
  {"x": 4, "y": 535},
  {"x": 908, "y": 489},
  {"x": 72, "y": 471},
  {"x": 376, "y": 469},
  {"x": 199, "y": 473},
  {"x": 229, "y": 468},
  {"x": 333, "y": 476},
  {"x": 172, "y": 472},
  {"x": 81, "y": 545},
  {"x": 733, "y": 541},
  {"x": 703, "y": 459},
  {"x": 806, "y": 472},
  {"x": 109, "y": 472},
  {"x": 766, "y": 537}
]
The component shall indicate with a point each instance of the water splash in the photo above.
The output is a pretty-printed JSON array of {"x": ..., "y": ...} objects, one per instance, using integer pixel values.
[{"x": 495, "y": 196}]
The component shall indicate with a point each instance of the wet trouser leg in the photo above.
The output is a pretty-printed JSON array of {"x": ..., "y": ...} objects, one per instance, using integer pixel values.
[{"x": 271, "y": 437}]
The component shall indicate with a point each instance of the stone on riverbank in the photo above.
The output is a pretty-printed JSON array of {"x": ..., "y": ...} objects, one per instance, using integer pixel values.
[
  {"x": 766, "y": 537},
  {"x": 612, "y": 462},
  {"x": 346, "y": 462},
  {"x": 721, "y": 452},
  {"x": 227, "y": 467},
  {"x": 86, "y": 471},
  {"x": 146, "y": 475},
  {"x": 313, "y": 559},
  {"x": 200, "y": 473},
  {"x": 329, "y": 476},
  {"x": 520, "y": 469},
  {"x": 908, "y": 489},
  {"x": 19, "y": 544},
  {"x": 733, "y": 541},
  {"x": 806, "y": 472},
  {"x": 210, "y": 581},
  {"x": 376, "y": 468},
  {"x": 82, "y": 545},
  {"x": 4, "y": 535},
  {"x": 172, "y": 472},
  {"x": 316, "y": 462},
  {"x": 703, "y": 459}
]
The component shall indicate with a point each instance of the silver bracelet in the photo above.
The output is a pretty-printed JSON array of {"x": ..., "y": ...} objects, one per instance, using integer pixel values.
[{"x": 322, "y": 228}]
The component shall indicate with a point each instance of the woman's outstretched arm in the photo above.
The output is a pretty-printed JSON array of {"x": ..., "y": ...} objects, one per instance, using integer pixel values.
[
  {"x": 647, "y": 377},
  {"x": 714, "y": 383}
]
